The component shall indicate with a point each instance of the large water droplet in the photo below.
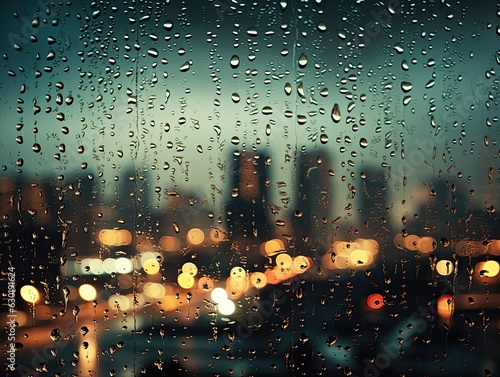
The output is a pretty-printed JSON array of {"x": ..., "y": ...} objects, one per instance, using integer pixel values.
[
  {"x": 336, "y": 113},
  {"x": 153, "y": 52},
  {"x": 406, "y": 86},
  {"x": 302, "y": 60},
  {"x": 235, "y": 61}
]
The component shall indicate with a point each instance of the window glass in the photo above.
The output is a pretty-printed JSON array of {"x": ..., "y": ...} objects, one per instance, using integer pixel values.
[{"x": 220, "y": 187}]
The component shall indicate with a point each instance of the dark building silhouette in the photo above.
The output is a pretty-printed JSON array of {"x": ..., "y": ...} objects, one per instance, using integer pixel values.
[{"x": 314, "y": 212}]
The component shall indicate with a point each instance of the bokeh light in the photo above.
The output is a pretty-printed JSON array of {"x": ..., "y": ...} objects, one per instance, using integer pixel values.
[
  {"x": 444, "y": 267},
  {"x": 226, "y": 307},
  {"x": 185, "y": 280},
  {"x": 29, "y": 294},
  {"x": 218, "y": 295},
  {"x": 151, "y": 266},
  {"x": 195, "y": 236},
  {"x": 87, "y": 292},
  {"x": 375, "y": 301}
]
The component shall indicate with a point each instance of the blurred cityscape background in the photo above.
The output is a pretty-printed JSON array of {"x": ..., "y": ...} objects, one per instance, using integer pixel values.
[{"x": 218, "y": 188}]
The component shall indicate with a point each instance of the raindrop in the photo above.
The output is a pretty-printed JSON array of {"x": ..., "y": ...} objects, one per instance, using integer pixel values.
[
  {"x": 302, "y": 60},
  {"x": 430, "y": 84},
  {"x": 153, "y": 52},
  {"x": 406, "y": 86},
  {"x": 288, "y": 89},
  {"x": 235, "y": 61},
  {"x": 252, "y": 32},
  {"x": 55, "y": 335},
  {"x": 235, "y": 97},
  {"x": 336, "y": 113},
  {"x": 322, "y": 26},
  {"x": 267, "y": 110},
  {"x": 168, "y": 25},
  {"x": 185, "y": 67},
  {"x": 363, "y": 142},
  {"x": 398, "y": 48}
]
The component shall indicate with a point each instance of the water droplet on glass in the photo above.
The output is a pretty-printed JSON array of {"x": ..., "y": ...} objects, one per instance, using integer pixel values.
[
  {"x": 185, "y": 67},
  {"x": 406, "y": 86},
  {"x": 336, "y": 113},
  {"x": 302, "y": 60},
  {"x": 55, "y": 335},
  {"x": 288, "y": 89},
  {"x": 235, "y": 97},
  {"x": 168, "y": 25},
  {"x": 235, "y": 61},
  {"x": 398, "y": 48},
  {"x": 153, "y": 52}
]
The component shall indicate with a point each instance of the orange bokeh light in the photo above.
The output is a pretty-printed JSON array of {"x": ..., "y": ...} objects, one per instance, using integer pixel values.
[{"x": 375, "y": 301}]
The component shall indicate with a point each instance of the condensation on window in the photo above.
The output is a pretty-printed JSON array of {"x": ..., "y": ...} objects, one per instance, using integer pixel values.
[{"x": 266, "y": 188}]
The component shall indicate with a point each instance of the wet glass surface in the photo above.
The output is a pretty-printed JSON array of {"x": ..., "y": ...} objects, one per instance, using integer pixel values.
[{"x": 219, "y": 188}]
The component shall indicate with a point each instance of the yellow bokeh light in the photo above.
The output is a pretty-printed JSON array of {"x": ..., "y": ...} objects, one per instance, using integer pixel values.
[
  {"x": 185, "y": 280},
  {"x": 342, "y": 247},
  {"x": 151, "y": 266},
  {"x": 87, "y": 292},
  {"x": 444, "y": 267},
  {"x": 360, "y": 258},
  {"x": 487, "y": 269},
  {"x": 272, "y": 247},
  {"x": 258, "y": 280},
  {"x": 29, "y": 294},
  {"x": 369, "y": 245},
  {"x": 238, "y": 273},
  {"x": 342, "y": 261},
  {"x": 115, "y": 237},
  {"x": 119, "y": 302},
  {"x": 107, "y": 237},
  {"x": 195, "y": 236},
  {"x": 189, "y": 268},
  {"x": 283, "y": 260},
  {"x": 154, "y": 290},
  {"x": 301, "y": 264}
]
